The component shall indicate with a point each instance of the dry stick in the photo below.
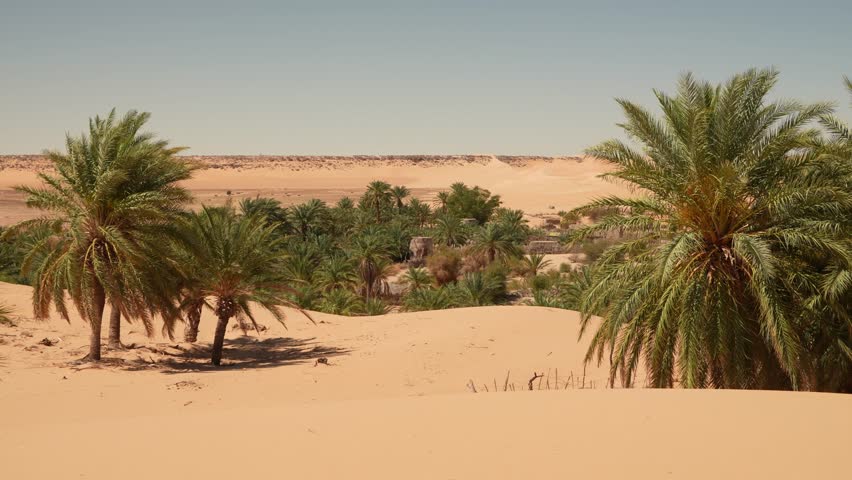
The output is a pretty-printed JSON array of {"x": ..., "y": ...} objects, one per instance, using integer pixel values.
[
  {"x": 495, "y": 384},
  {"x": 557, "y": 379},
  {"x": 486, "y": 386},
  {"x": 506, "y": 383},
  {"x": 547, "y": 380},
  {"x": 472, "y": 386},
  {"x": 540, "y": 378},
  {"x": 584, "y": 376},
  {"x": 535, "y": 375}
]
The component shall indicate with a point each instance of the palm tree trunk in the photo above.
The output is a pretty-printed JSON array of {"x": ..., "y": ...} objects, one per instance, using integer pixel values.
[
  {"x": 219, "y": 339},
  {"x": 193, "y": 318},
  {"x": 95, "y": 323},
  {"x": 114, "y": 328}
]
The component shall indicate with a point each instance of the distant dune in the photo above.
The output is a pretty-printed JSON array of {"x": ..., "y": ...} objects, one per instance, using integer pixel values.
[
  {"x": 301, "y": 162},
  {"x": 538, "y": 185}
]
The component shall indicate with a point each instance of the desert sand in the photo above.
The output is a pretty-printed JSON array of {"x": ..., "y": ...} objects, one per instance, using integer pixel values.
[
  {"x": 537, "y": 185},
  {"x": 394, "y": 398}
]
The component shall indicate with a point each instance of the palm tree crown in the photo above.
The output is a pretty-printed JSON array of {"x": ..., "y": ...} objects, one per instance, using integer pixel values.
[
  {"x": 113, "y": 195},
  {"x": 735, "y": 206},
  {"x": 236, "y": 262}
]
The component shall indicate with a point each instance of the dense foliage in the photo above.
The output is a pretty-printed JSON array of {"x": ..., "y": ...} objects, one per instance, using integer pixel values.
[{"x": 736, "y": 269}]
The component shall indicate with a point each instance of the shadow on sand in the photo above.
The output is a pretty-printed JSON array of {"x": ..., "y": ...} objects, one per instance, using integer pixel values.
[{"x": 240, "y": 353}]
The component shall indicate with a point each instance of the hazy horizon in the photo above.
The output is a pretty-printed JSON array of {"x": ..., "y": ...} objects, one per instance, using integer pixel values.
[{"x": 379, "y": 78}]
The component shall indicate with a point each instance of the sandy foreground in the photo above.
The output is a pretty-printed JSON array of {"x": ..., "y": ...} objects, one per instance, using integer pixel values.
[{"x": 394, "y": 400}]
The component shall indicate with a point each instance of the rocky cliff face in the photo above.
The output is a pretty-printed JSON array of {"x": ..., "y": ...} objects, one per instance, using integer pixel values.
[{"x": 319, "y": 162}]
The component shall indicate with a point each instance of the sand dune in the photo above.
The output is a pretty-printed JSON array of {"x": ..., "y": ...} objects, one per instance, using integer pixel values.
[
  {"x": 533, "y": 184},
  {"x": 394, "y": 400},
  {"x": 393, "y": 403}
]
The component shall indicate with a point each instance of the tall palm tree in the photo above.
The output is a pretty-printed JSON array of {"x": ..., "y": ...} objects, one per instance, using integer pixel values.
[
  {"x": 494, "y": 242},
  {"x": 399, "y": 193},
  {"x": 236, "y": 263},
  {"x": 372, "y": 255},
  {"x": 734, "y": 200},
  {"x": 377, "y": 197},
  {"x": 112, "y": 198}
]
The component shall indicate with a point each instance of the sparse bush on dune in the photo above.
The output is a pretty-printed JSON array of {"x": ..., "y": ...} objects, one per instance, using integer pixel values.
[{"x": 6, "y": 315}]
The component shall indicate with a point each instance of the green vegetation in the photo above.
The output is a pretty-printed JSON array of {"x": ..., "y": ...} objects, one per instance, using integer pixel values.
[
  {"x": 731, "y": 267},
  {"x": 232, "y": 260},
  {"x": 112, "y": 200},
  {"x": 736, "y": 269}
]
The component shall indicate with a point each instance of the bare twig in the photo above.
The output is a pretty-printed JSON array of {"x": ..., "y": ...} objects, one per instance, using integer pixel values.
[{"x": 535, "y": 376}]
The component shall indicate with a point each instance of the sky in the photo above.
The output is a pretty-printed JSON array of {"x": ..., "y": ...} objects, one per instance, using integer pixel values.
[{"x": 402, "y": 77}]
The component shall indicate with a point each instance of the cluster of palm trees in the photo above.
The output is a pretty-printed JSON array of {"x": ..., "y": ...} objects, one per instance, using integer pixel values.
[
  {"x": 732, "y": 268},
  {"x": 117, "y": 239}
]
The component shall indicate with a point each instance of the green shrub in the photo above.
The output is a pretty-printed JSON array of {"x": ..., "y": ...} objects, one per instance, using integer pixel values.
[{"x": 423, "y": 299}]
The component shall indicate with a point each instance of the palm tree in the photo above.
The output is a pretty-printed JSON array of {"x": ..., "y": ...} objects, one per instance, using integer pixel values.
[
  {"x": 377, "y": 196},
  {"x": 450, "y": 230},
  {"x": 513, "y": 224},
  {"x": 494, "y": 242},
  {"x": 336, "y": 272},
  {"x": 735, "y": 201},
  {"x": 417, "y": 278},
  {"x": 340, "y": 301},
  {"x": 236, "y": 260},
  {"x": 372, "y": 256},
  {"x": 375, "y": 306},
  {"x": 399, "y": 193},
  {"x": 532, "y": 264},
  {"x": 424, "y": 299},
  {"x": 113, "y": 198},
  {"x": 270, "y": 209},
  {"x": 308, "y": 218},
  {"x": 419, "y": 212},
  {"x": 441, "y": 201},
  {"x": 478, "y": 289}
]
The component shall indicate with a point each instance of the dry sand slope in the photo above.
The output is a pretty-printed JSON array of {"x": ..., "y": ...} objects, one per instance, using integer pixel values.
[
  {"x": 391, "y": 404},
  {"x": 534, "y": 184}
]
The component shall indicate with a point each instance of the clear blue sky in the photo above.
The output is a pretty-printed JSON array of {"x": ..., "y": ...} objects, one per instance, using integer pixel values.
[{"x": 347, "y": 77}]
